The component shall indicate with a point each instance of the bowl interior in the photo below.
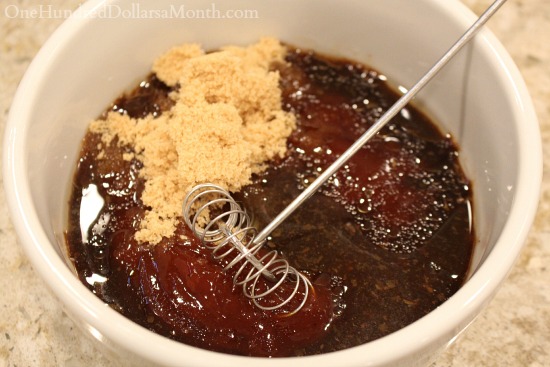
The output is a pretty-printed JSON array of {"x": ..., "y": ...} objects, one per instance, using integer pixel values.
[{"x": 91, "y": 60}]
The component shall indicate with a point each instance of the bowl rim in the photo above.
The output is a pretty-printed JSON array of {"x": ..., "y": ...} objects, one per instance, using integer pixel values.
[{"x": 79, "y": 301}]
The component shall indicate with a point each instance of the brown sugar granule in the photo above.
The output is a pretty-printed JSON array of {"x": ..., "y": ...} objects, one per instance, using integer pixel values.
[{"x": 225, "y": 124}]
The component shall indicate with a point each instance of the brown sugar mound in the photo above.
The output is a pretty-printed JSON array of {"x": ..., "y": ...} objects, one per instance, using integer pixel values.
[{"x": 225, "y": 125}]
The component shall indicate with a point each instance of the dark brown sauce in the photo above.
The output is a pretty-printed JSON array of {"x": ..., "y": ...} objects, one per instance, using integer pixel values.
[{"x": 387, "y": 241}]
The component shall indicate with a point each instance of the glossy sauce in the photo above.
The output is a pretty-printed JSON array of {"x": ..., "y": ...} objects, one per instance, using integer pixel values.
[{"x": 387, "y": 241}]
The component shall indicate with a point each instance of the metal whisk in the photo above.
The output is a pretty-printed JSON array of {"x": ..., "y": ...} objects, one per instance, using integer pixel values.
[
  {"x": 231, "y": 237},
  {"x": 231, "y": 230}
]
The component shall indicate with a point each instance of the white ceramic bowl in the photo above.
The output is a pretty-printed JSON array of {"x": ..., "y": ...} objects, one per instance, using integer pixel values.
[{"x": 480, "y": 98}]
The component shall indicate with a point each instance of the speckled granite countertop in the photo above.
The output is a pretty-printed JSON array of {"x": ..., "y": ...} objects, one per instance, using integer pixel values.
[{"x": 513, "y": 331}]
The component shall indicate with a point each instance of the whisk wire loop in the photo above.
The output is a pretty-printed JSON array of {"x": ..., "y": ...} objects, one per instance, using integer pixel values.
[{"x": 230, "y": 236}]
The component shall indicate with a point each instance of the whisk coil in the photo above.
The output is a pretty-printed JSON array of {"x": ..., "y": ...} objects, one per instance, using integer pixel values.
[{"x": 230, "y": 236}]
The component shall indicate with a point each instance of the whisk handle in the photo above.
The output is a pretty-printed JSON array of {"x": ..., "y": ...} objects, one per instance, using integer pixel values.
[{"x": 379, "y": 124}]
